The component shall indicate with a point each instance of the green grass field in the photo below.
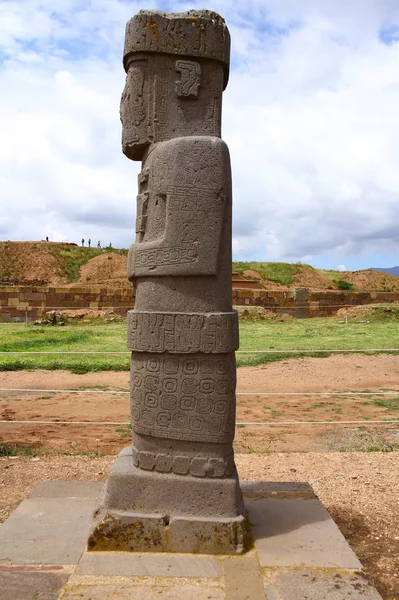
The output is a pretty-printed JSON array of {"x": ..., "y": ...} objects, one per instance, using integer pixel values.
[{"x": 317, "y": 336}]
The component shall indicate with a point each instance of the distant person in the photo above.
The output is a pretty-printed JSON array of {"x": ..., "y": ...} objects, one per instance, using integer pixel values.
[
  {"x": 89, "y": 242},
  {"x": 47, "y": 239},
  {"x": 98, "y": 244},
  {"x": 83, "y": 241},
  {"x": 110, "y": 245}
]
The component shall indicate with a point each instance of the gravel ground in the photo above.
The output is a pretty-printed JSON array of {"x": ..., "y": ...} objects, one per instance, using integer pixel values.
[{"x": 360, "y": 490}]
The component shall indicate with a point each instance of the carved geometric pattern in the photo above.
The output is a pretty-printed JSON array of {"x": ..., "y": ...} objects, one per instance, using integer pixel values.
[
  {"x": 184, "y": 398},
  {"x": 167, "y": 256},
  {"x": 184, "y": 465},
  {"x": 183, "y": 333}
]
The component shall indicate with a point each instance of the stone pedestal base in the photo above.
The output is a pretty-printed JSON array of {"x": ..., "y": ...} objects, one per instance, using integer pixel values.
[{"x": 144, "y": 511}]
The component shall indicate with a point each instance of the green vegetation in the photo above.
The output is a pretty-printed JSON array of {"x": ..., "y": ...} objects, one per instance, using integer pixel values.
[
  {"x": 388, "y": 402},
  {"x": 71, "y": 258},
  {"x": 379, "y": 448},
  {"x": 345, "y": 285},
  {"x": 125, "y": 431},
  {"x": 333, "y": 276},
  {"x": 283, "y": 273},
  {"x": 380, "y": 313},
  {"x": 317, "y": 336},
  {"x": 336, "y": 278},
  {"x": 12, "y": 450}
]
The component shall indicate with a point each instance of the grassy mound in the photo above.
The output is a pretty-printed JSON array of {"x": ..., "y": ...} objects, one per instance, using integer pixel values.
[{"x": 282, "y": 273}]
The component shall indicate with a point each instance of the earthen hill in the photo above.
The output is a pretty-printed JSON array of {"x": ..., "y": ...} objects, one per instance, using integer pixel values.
[{"x": 62, "y": 264}]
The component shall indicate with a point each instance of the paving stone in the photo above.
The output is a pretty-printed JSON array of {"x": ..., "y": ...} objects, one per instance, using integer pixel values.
[
  {"x": 314, "y": 584},
  {"x": 122, "y": 588},
  {"x": 242, "y": 577},
  {"x": 298, "y": 533},
  {"x": 155, "y": 565},
  {"x": 266, "y": 489},
  {"x": 31, "y": 585},
  {"x": 47, "y": 531}
]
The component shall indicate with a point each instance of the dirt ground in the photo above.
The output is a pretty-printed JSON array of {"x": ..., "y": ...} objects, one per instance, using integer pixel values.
[
  {"x": 360, "y": 489},
  {"x": 262, "y": 419}
]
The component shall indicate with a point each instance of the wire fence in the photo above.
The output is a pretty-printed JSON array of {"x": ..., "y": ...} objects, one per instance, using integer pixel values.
[
  {"x": 278, "y": 394},
  {"x": 267, "y": 423},
  {"x": 341, "y": 393},
  {"x": 266, "y": 351},
  {"x": 264, "y": 394},
  {"x": 128, "y": 307}
]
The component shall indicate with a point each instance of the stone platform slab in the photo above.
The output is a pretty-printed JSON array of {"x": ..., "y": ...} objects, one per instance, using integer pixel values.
[{"x": 298, "y": 552}]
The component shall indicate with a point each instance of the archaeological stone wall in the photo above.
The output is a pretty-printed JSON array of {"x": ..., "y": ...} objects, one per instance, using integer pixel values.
[
  {"x": 303, "y": 303},
  {"x": 20, "y": 302},
  {"x": 16, "y": 301}
]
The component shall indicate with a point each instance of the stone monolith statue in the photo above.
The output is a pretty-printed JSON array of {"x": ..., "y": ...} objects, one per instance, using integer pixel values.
[{"x": 176, "y": 488}]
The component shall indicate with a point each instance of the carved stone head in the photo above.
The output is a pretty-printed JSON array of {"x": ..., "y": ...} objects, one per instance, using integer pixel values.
[{"x": 177, "y": 67}]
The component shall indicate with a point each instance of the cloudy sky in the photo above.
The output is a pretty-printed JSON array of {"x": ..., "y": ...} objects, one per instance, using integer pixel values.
[{"x": 311, "y": 116}]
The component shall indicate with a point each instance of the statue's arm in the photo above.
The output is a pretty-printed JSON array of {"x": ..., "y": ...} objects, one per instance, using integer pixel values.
[{"x": 192, "y": 175}]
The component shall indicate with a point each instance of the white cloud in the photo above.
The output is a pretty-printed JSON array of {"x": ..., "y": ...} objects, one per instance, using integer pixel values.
[
  {"x": 341, "y": 268},
  {"x": 310, "y": 116}
]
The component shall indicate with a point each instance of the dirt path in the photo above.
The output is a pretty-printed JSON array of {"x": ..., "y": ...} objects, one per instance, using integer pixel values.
[{"x": 305, "y": 376}]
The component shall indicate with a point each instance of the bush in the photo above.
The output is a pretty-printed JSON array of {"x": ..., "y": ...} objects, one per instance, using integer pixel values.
[{"x": 345, "y": 285}]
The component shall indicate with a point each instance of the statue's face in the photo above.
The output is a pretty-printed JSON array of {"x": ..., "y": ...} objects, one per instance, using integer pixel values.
[
  {"x": 133, "y": 110},
  {"x": 167, "y": 97}
]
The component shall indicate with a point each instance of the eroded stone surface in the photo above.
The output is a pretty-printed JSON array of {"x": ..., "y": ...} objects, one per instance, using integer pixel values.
[
  {"x": 31, "y": 584},
  {"x": 177, "y": 488},
  {"x": 314, "y": 584}
]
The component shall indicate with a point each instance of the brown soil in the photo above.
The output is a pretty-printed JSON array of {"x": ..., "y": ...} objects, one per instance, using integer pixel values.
[
  {"x": 103, "y": 270},
  {"x": 366, "y": 280},
  {"x": 312, "y": 279},
  {"x": 301, "y": 376},
  {"x": 372, "y": 280},
  {"x": 28, "y": 263},
  {"x": 252, "y": 274}
]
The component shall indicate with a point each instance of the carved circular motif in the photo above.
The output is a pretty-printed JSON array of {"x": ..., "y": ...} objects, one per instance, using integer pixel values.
[
  {"x": 190, "y": 366},
  {"x": 137, "y": 379},
  {"x": 222, "y": 386},
  {"x": 151, "y": 383},
  {"x": 147, "y": 418},
  {"x": 168, "y": 402},
  {"x": 189, "y": 386},
  {"x": 163, "y": 419},
  {"x": 213, "y": 425},
  {"x": 207, "y": 386},
  {"x": 179, "y": 421},
  {"x": 169, "y": 385},
  {"x": 197, "y": 423},
  {"x": 204, "y": 406},
  {"x": 220, "y": 408},
  {"x": 222, "y": 367},
  {"x": 153, "y": 365},
  {"x": 187, "y": 403},
  {"x": 151, "y": 400}
]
